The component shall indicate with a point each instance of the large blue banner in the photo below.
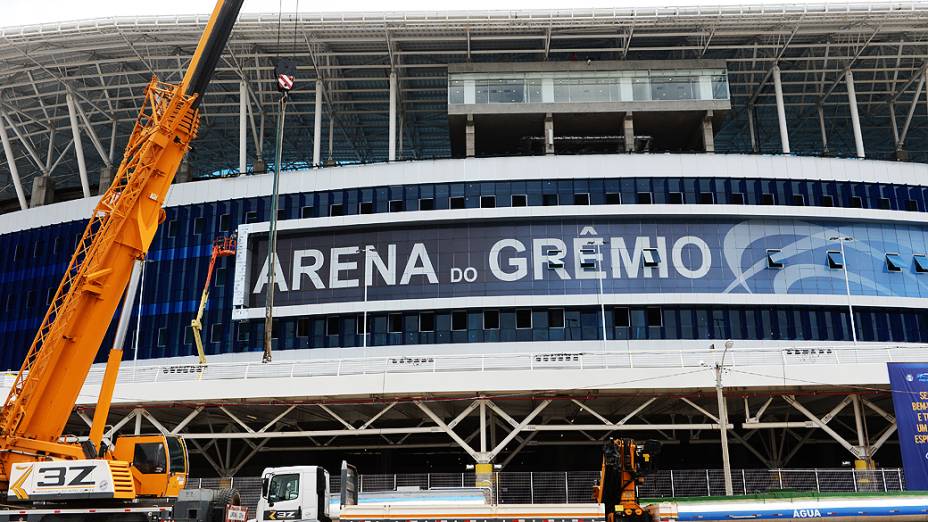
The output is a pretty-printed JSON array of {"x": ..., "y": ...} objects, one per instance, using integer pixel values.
[
  {"x": 909, "y": 383},
  {"x": 564, "y": 256}
]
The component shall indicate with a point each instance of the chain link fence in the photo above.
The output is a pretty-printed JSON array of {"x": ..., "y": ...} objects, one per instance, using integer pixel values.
[{"x": 577, "y": 486}]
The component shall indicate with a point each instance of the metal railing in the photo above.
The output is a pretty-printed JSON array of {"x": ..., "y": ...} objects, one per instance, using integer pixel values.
[
  {"x": 526, "y": 361},
  {"x": 559, "y": 487}
]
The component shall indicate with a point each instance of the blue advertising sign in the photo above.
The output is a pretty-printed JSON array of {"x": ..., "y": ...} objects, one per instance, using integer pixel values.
[
  {"x": 909, "y": 383},
  {"x": 551, "y": 256}
]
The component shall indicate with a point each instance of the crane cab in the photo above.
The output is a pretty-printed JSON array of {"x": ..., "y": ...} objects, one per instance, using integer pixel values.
[{"x": 158, "y": 463}]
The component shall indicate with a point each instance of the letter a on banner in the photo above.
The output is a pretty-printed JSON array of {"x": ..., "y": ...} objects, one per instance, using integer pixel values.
[{"x": 909, "y": 382}]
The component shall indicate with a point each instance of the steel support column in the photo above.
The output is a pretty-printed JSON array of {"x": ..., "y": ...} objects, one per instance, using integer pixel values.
[
  {"x": 78, "y": 148},
  {"x": 821, "y": 126},
  {"x": 11, "y": 163},
  {"x": 317, "y": 126},
  {"x": 855, "y": 117},
  {"x": 781, "y": 109},
  {"x": 242, "y": 127},
  {"x": 392, "y": 124},
  {"x": 751, "y": 130}
]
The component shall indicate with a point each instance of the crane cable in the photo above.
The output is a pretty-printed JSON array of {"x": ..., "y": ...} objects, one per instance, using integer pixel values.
[{"x": 275, "y": 197}]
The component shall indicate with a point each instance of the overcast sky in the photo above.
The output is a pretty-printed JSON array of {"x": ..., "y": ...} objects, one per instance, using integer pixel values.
[{"x": 21, "y": 12}]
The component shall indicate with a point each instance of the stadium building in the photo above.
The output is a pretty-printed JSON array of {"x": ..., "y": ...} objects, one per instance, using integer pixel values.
[{"x": 502, "y": 236}]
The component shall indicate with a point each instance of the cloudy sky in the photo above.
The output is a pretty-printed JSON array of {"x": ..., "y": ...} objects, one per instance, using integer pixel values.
[{"x": 21, "y": 12}]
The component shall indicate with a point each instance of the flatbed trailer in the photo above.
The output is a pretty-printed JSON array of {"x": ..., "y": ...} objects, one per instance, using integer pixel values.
[
  {"x": 587, "y": 512},
  {"x": 114, "y": 514}
]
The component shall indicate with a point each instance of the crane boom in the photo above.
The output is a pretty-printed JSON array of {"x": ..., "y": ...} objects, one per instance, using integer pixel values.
[{"x": 119, "y": 233}]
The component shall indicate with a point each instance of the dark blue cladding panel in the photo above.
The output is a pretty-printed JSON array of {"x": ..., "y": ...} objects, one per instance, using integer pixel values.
[{"x": 34, "y": 260}]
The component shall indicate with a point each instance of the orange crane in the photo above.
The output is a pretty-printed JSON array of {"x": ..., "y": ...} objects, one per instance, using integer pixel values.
[
  {"x": 222, "y": 247},
  {"x": 35, "y": 462},
  {"x": 625, "y": 463}
]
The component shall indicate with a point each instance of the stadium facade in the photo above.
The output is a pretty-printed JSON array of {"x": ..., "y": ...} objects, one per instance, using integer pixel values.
[{"x": 623, "y": 200}]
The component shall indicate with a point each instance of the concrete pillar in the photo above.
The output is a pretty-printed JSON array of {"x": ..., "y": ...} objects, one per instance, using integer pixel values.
[
  {"x": 184, "y": 172},
  {"x": 751, "y": 130},
  {"x": 78, "y": 148},
  {"x": 317, "y": 126},
  {"x": 781, "y": 109},
  {"x": 11, "y": 163},
  {"x": 708, "y": 135},
  {"x": 242, "y": 127},
  {"x": 629, "y": 129},
  {"x": 855, "y": 117},
  {"x": 43, "y": 191},
  {"x": 106, "y": 179},
  {"x": 549, "y": 134},
  {"x": 469, "y": 137},
  {"x": 392, "y": 149},
  {"x": 821, "y": 126}
]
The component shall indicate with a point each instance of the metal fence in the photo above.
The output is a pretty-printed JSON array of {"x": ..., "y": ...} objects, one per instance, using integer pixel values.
[{"x": 577, "y": 486}]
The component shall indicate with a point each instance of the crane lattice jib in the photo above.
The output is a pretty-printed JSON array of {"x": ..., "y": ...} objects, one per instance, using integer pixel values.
[{"x": 119, "y": 232}]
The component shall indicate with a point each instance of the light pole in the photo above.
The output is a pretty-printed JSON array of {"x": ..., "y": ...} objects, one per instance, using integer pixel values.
[
  {"x": 723, "y": 420},
  {"x": 847, "y": 285},
  {"x": 602, "y": 301},
  {"x": 367, "y": 250}
]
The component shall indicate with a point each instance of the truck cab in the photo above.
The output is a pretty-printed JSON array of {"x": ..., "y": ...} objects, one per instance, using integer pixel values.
[{"x": 294, "y": 493}]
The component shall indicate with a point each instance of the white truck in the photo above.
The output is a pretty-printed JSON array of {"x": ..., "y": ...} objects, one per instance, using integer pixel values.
[{"x": 301, "y": 493}]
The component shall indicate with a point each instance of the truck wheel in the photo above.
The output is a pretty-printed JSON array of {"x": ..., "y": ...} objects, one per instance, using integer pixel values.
[{"x": 223, "y": 498}]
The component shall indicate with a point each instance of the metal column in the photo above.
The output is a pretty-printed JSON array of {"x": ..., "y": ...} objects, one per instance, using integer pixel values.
[
  {"x": 242, "y": 127},
  {"x": 821, "y": 126},
  {"x": 781, "y": 110},
  {"x": 78, "y": 148},
  {"x": 331, "y": 159},
  {"x": 392, "y": 148},
  {"x": 751, "y": 129},
  {"x": 855, "y": 117},
  {"x": 317, "y": 127},
  {"x": 11, "y": 162}
]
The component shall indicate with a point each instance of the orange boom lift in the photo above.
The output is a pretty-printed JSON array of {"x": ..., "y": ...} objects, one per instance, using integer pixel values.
[
  {"x": 222, "y": 247},
  {"x": 35, "y": 462},
  {"x": 625, "y": 463}
]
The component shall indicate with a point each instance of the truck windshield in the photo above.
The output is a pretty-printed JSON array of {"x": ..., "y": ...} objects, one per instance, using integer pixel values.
[{"x": 284, "y": 487}]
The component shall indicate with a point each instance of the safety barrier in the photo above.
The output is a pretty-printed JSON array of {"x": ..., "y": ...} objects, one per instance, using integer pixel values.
[{"x": 527, "y": 361}]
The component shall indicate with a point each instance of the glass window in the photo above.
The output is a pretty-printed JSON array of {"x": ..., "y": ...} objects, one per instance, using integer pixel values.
[
  {"x": 366, "y": 207},
  {"x": 456, "y": 202},
  {"x": 302, "y": 327},
  {"x": 224, "y": 221},
  {"x": 706, "y": 198},
  {"x": 396, "y": 205},
  {"x": 251, "y": 216},
  {"x": 332, "y": 326},
  {"x": 198, "y": 225},
  {"x": 242, "y": 332},
  {"x": 284, "y": 487},
  {"x": 885, "y": 204},
  {"x": 921, "y": 263},
  {"x": 456, "y": 91},
  {"x": 487, "y": 201},
  {"x": 641, "y": 89},
  {"x": 556, "y": 318},
  {"x": 645, "y": 198},
  {"x": 774, "y": 258},
  {"x": 491, "y": 320},
  {"x": 581, "y": 199},
  {"x": 523, "y": 319},
  {"x": 395, "y": 323},
  {"x": 336, "y": 209},
  {"x": 799, "y": 200},
  {"x": 675, "y": 198},
  {"x": 459, "y": 320},
  {"x": 835, "y": 259},
  {"x": 306, "y": 212},
  {"x": 177, "y": 454},
  {"x": 613, "y": 198},
  {"x": 719, "y": 87},
  {"x": 149, "y": 458},
  {"x": 736, "y": 198},
  {"x": 162, "y": 336},
  {"x": 857, "y": 202},
  {"x": 519, "y": 200},
  {"x": 281, "y": 214},
  {"x": 674, "y": 87},
  {"x": 533, "y": 90},
  {"x": 426, "y": 203},
  {"x": 427, "y": 322},
  {"x": 893, "y": 262},
  {"x": 549, "y": 200},
  {"x": 620, "y": 317},
  {"x": 654, "y": 316},
  {"x": 828, "y": 200},
  {"x": 767, "y": 198}
]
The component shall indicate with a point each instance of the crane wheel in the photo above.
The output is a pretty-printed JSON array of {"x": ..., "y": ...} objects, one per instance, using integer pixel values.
[{"x": 222, "y": 498}]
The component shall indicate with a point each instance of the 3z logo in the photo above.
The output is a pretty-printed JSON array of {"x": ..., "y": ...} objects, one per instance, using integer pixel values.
[{"x": 51, "y": 477}]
